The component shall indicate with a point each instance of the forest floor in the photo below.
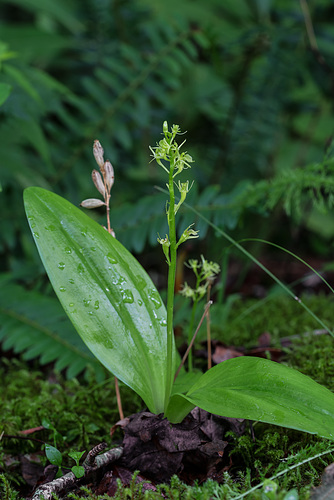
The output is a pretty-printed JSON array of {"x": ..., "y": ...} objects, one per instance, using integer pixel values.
[{"x": 39, "y": 406}]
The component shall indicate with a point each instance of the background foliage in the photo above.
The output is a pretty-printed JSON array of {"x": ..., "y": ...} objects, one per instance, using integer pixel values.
[{"x": 251, "y": 81}]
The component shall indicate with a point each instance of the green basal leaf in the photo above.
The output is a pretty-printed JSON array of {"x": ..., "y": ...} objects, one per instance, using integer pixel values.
[
  {"x": 107, "y": 295},
  {"x": 259, "y": 389}
]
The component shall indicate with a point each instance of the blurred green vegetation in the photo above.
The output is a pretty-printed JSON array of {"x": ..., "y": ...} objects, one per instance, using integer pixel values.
[{"x": 251, "y": 81}]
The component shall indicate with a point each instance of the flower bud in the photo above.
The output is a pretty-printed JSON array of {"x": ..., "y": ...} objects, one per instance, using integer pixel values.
[
  {"x": 92, "y": 203},
  {"x": 187, "y": 234},
  {"x": 98, "y": 153},
  {"x": 109, "y": 176},
  {"x": 99, "y": 184},
  {"x": 165, "y": 243}
]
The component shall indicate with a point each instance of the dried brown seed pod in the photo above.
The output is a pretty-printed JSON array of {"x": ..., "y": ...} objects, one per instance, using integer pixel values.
[
  {"x": 92, "y": 203},
  {"x": 109, "y": 174},
  {"x": 99, "y": 184},
  {"x": 98, "y": 154}
]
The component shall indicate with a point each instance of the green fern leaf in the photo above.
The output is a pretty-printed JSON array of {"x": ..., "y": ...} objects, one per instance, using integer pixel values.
[{"x": 36, "y": 326}]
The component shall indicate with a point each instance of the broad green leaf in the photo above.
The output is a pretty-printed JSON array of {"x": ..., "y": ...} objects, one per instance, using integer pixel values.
[
  {"x": 259, "y": 389},
  {"x": 107, "y": 295}
]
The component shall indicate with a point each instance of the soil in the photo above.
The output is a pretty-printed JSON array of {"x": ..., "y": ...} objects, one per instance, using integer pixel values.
[{"x": 196, "y": 449}]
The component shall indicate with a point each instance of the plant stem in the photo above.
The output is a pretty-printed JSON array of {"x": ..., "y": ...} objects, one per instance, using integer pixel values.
[{"x": 171, "y": 285}]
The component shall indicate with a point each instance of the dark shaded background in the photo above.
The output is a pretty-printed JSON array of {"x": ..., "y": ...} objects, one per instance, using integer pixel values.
[{"x": 250, "y": 81}]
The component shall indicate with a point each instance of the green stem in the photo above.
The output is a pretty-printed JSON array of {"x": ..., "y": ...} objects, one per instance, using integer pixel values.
[{"x": 170, "y": 286}]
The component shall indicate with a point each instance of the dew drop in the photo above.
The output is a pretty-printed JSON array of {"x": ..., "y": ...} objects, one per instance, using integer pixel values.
[
  {"x": 61, "y": 266},
  {"x": 68, "y": 250},
  {"x": 140, "y": 282},
  {"x": 111, "y": 258},
  {"x": 96, "y": 305},
  {"x": 84, "y": 232},
  {"x": 127, "y": 297},
  {"x": 90, "y": 313},
  {"x": 71, "y": 280},
  {"x": 81, "y": 268},
  {"x": 62, "y": 289},
  {"x": 71, "y": 304},
  {"x": 51, "y": 227},
  {"x": 140, "y": 302},
  {"x": 162, "y": 322},
  {"x": 93, "y": 249},
  {"x": 86, "y": 302},
  {"x": 155, "y": 297},
  {"x": 36, "y": 235}
]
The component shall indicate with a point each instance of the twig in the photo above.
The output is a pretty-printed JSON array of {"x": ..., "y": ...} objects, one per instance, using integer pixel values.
[
  {"x": 313, "y": 40},
  {"x": 208, "y": 328},
  {"x": 119, "y": 400},
  {"x": 309, "y": 25},
  {"x": 193, "y": 339},
  {"x": 92, "y": 464}
]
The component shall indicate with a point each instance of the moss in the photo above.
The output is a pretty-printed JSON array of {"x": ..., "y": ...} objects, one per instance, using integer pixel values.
[
  {"x": 278, "y": 314},
  {"x": 83, "y": 412}
]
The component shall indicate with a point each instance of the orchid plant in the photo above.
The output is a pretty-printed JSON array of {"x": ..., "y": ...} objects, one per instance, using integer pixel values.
[{"x": 119, "y": 314}]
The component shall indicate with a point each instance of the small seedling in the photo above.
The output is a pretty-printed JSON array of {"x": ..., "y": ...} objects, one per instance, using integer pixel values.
[
  {"x": 78, "y": 470},
  {"x": 55, "y": 457},
  {"x": 119, "y": 314}
]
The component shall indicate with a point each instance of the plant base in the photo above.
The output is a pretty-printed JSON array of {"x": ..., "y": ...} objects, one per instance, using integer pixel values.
[{"x": 195, "y": 449}]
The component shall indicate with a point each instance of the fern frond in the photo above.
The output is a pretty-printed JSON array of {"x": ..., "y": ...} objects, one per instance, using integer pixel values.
[
  {"x": 294, "y": 188},
  {"x": 140, "y": 223},
  {"x": 37, "y": 327}
]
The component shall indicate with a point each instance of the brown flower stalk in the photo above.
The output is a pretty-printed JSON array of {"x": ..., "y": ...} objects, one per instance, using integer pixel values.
[{"x": 103, "y": 182}]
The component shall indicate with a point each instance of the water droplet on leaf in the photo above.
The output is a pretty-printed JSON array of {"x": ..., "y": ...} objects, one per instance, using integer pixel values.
[
  {"x": 61, "y": 266},
  {"x": 140, "y": 282},
  {"x": 81, "y": 268},
  {"x": 154, "y": 296},
  {"x": 111, "y": 258},
  {"x": 127, "y": 297}
]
